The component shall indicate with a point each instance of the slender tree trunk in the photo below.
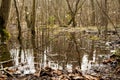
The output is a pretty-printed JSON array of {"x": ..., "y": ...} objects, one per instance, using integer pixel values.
[
  {"x": 19, "y": 28},
  {"x": 22, "y": 11},
  {"x": 31, "y": 25},
  {"x": 118, "y": 17},
  {"x": 93, "y": 13},
  {"x": 108, "y": 19},
  {"x": 33, "y": 18},
  {"x": 105, "y": 19},
  {"x": 4, "y": 15}
]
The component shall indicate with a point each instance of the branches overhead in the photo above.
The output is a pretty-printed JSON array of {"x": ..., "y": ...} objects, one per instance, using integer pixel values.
[
  {"x": 69, "y": 6},
  {"x": 73, "y": 11}
]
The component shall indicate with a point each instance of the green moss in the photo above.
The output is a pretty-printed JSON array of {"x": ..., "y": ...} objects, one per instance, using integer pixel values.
[{"x": 5, "y": 33}]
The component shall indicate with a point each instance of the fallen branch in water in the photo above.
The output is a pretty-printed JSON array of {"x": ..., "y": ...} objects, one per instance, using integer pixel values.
[{"x": 7, "y": 73}]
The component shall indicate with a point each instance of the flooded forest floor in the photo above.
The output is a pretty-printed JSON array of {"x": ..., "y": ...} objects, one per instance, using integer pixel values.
[{"x": 66, "y": 54}]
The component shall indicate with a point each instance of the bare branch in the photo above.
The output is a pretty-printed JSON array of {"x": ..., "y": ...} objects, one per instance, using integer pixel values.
[
  {"x": 69, "y": 7},
  {"x": 108, "y": 18}
]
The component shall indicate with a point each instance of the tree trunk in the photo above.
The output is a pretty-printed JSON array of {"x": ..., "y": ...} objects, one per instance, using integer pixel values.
[
  {"x": 33, "y": 17},
  {"x": 93, "y": 13},
  {"x": 72, "y": 21},
  {"x": 118, "y": 17},
  {"x": 107, "y": 16},
  {"x": 4, "y": 15},
  {"x": 104, "y": 20},
  {"x": 31, "y": 25},
  {"x": 19, "y": 28},
  {"x": 73, "y": 12}
]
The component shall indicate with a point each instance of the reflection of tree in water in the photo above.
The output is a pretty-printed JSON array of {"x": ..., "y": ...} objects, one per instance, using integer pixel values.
[
  {"x": 77, "y": 48},
  {"x": 68, "y": 49},
  {"x": 90, "y": 57},
  {"x": 5, "y": 56}
]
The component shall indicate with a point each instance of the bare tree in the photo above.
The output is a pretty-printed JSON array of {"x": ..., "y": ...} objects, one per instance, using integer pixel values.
[
  {"x": 107, "y": 16},
  {"x": 73, "y": 9},
  {"x": 73, "y": 12}
]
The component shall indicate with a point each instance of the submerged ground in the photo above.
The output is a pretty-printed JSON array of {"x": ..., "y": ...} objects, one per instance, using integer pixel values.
[{"x": 67, "y": 53}]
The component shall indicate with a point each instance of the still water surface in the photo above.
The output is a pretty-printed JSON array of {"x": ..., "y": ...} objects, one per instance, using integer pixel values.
[{"x": 27, "y": 59}]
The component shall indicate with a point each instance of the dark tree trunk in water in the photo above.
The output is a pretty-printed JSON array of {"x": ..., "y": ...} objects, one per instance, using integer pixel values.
[
  {"x": 32, "y": 28},
  {"x": 4, "y": 14},
  {"x": 105, "y": 19},
  {"x": 19, "y": 28},
  {"x": 31, "y": 25},
  {"x": 33, "y": 18}
]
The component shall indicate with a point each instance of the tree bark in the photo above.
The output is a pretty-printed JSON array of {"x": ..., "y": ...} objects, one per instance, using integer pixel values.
[
  {"x": 19, "y": 28},
  {"x": 4, "y": 15},
  {"x": 33, "y": 18}
]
